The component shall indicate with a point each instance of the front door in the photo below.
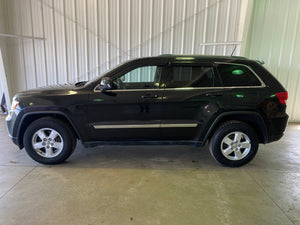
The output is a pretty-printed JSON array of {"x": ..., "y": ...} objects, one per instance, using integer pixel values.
[{"x": 131, "y": 110}]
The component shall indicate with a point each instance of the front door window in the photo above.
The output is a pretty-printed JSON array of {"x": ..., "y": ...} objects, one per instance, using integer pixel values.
[{"x": 146, "y": 77}]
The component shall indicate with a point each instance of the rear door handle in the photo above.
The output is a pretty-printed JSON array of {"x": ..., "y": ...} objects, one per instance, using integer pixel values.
[
  {"x": 214, "y": 94},
  {"x": 149, "y": 96}
]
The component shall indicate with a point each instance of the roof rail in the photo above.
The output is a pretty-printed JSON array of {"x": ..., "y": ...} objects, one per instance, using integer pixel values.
[{"x": 167, "y": 55}]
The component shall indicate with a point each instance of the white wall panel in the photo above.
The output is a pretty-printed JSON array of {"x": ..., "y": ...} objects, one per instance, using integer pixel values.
[
  {"x": 70, "y": 39},
  {"x": 82, "y": 29},
  {"x": 59, "y": 38},
  {"x": 38, "y": 46},
  {"x": 2, "y": 40},
  {"x": 17, "y": 76},
  {"x": 274, "y": 37},
  {"x": 92, "y": 40},
  {"x": 49, "y": 43},
  {"x": 83, "y": 38},
  {"x": 28, "y": 44}
]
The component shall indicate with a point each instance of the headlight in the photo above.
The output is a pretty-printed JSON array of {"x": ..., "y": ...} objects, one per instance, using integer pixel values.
[{"x": 14, "y": 105}]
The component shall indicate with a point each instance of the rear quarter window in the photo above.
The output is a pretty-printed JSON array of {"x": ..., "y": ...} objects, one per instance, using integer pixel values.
[{"x": 237, "y": 75}]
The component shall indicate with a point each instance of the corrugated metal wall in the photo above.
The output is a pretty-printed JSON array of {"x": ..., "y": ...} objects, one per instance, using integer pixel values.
[
  {"x": 274, "y": 37},
  {"x": 80, "y": 39},
  {"x": 2, "y": 43}
]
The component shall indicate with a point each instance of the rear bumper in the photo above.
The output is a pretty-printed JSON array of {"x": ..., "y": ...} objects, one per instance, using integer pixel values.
[
  {"x": 275, "y": 137},
  {"x": 278, "y": 125}
]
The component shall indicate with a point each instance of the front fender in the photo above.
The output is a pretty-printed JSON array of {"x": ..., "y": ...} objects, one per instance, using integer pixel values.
[{"x": 28, "y": 117}]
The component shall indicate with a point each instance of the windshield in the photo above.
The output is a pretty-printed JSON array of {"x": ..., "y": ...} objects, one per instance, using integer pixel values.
[
  {"x": 103, "y": 74},
  {"x": 95, "y": 78}
]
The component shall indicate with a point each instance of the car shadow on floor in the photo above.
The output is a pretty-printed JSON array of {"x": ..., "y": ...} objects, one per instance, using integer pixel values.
[{"x": 142, "y": 157}]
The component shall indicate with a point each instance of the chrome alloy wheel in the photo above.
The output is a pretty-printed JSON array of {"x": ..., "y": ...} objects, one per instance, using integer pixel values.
[
  {"x": 47, "y": 142},
  {"x": 235, "y": 145}
]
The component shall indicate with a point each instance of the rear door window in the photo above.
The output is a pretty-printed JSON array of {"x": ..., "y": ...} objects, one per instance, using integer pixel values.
[
  {"x": 190, "y": 76},
  {"x": 233, "y": 75}
]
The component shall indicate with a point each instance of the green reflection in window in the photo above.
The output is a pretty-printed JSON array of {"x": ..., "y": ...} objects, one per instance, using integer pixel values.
[
  {"x": 239, "y": 96},
  {"x": 237, "y": 72}
]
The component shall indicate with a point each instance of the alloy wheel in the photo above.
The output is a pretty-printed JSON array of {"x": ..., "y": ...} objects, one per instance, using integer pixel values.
[
  {"x": 47, "y": 142},
  {"x": 236, "y": 145}
]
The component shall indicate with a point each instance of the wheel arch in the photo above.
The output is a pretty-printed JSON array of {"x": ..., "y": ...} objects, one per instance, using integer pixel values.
[
  {"x": 28, "y": 118},
  {"x": 251, "y": 118}
]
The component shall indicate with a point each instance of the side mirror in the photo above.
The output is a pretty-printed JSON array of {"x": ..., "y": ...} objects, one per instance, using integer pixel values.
[{"x": 105, "y": 84}]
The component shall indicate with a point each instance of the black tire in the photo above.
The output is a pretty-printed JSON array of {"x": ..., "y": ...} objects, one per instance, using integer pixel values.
[
  {"x": 50, "y": 150},
  {"x": 242, "y": 144}
]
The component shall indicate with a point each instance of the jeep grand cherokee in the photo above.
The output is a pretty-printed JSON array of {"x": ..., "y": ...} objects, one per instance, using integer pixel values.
[{"x": 232, "y": 102}]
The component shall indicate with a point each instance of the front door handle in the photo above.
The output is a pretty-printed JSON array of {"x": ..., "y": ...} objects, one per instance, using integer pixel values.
[{"x": 149, "y": 96}]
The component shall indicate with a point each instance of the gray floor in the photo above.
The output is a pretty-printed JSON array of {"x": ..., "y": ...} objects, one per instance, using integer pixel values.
[{"x": 151, "y": 185}]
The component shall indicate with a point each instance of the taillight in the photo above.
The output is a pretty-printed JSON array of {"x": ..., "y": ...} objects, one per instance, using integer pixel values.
[{"x": 282, "y": 96}]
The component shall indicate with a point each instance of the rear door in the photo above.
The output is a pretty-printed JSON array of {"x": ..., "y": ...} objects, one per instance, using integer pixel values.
[
  {"x": 242, "y": 86},
  {"x": 190, "y": 100}
]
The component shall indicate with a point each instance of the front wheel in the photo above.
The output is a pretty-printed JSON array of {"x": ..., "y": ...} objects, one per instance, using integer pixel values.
[
  {"x": 234, "y": 144},
  {"x": 49, "y": 141}
]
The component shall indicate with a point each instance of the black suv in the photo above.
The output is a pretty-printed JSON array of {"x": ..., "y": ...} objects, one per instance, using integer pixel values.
[{"x": 232, "y": 102}]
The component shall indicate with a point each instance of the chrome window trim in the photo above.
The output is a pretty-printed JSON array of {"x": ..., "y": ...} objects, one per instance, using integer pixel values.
[
  {"x": 156, "y": 125},
  {"x": 196, "y": 88},
  {"x": 182, "y": 89},
  {"x": 249, "y": 68},
  {"x": 150, "y": 89}
]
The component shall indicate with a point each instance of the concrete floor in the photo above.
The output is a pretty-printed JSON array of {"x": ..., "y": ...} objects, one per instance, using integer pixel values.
[{"x": 121, "y": 185}]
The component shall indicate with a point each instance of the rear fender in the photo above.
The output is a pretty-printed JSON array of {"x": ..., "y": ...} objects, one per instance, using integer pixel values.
[{"x": 254, "y": 119}]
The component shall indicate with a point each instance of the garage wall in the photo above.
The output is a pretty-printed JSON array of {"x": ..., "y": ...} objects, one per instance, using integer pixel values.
[
  {"x": 79, "y": 39},
  {"x": 3, "y": 47},
  {"x": 274, "y": 37},
  {"x": 2, "y": 40},
  {"x": 1, "y": 28}
]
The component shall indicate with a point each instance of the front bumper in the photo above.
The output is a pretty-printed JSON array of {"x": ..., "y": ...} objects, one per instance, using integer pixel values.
[
  {"x": 12, "y": 127},
  {"x": 15, "y": 140}
]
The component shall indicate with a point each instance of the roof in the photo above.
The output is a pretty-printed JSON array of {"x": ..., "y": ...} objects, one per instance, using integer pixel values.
[{"x": 195, "y": 58}]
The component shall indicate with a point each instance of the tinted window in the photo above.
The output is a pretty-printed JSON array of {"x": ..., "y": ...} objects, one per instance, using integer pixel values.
[
  {"x": 147, "y": 77},
  {"x": 237, "y": 75},
  {"x": 190, "y": 76}
]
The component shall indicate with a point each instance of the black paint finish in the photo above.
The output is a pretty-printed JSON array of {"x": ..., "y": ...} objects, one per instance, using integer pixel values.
[{"x": 83, "y": 107}]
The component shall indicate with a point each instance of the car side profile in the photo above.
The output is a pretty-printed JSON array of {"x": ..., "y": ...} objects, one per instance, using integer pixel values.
[{"x": 231, "y": 102}]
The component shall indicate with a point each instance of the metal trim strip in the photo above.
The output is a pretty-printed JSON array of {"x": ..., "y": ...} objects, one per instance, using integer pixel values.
[
  {"x": 157, "y": 125},
  {"x": 127, "y": 126},
  {"x": 179, "y": 125}
]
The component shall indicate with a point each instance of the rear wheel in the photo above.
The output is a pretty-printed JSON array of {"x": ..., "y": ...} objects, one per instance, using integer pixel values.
[
  {"x": 234, "y": 144},
  {"x": 49, "y": 141}
]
